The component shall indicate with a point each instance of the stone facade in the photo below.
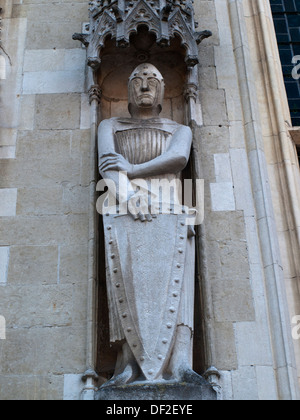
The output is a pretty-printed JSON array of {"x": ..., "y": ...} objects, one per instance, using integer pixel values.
[
  {"x": 44, "y": 151},
  {"x": 249, "y": 239}
]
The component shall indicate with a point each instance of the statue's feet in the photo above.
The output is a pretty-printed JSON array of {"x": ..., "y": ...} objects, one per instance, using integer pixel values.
[
  {"x": 130, "y": 374},
  {"x": 185, "y": 373}
]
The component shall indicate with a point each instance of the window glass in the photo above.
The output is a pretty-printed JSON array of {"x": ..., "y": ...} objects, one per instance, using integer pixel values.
[{"x": 286, "y": 15}]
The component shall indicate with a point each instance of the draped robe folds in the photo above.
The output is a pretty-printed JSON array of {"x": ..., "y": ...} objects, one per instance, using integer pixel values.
[{"x": 150, "y": 265}]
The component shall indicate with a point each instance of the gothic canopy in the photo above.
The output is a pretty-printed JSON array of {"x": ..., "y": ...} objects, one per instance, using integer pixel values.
[{"x": 119, "y": 19}]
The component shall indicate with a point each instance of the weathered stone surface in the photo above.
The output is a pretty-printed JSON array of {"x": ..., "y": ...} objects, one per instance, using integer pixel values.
[
  {"x": 75, "y": 199},
  {"x": 42, "y": 172},
  {"x": 4, "y": 260},
  {"x": 47, "y": 35},
  {"x": 224, "y": 336},
  {"x": 37, "y": 306},
  {"x": 45, "y": 144},
  {"x": 13, "y": 39},
  {"x": 47, "y": 230},
  {"x": 54, "y": 60},
  {"x": 46, "y": 82},
  {"x": 58, "y": 111},
  {"x": 222, "y": 197},
  {"x": 245, "y": 375},
  {"x": 31, "y": 387},
  {"x": 72, "y": 387},
  {"x": 40, "y": 201},
  {"x": 214, "y": 107},
  {"x": 159, "y": 392},
  {"x": 73, "y": 265},
  {"x": 225, "y": 226},
  {"x": 8, "y": 202},
  {"x": 27, "y": 112},
  {"x": 40, "y": 350},
  {"x": 33, "y": 265}
]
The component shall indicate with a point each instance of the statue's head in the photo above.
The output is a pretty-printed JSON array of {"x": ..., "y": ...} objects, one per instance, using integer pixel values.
[{"x": 146, "y": 89}]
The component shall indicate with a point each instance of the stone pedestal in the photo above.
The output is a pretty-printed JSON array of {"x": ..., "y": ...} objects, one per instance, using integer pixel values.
[{"x": 171, "y": 391}]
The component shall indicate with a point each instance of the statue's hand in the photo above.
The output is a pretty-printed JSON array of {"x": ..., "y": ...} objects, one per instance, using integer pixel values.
[
  {"x": 115, "y": 162},
  {"x": 138, "y": 207}
]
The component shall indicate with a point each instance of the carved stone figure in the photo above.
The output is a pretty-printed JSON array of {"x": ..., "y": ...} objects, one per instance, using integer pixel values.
[{"x": 150, "y": 249}]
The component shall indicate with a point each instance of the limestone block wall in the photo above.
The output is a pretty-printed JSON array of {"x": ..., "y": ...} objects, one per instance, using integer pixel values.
[
  {"x": 281, "y": 156},
  {"x": 44, "y": 179},
  {"x": 241, "y": 347},
  {"x": 248, "y": 321},
  {"x": 44, "y": 222}
]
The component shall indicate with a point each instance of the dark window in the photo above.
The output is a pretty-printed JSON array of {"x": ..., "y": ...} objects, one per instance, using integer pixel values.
[
  {"x": 286, "y": 15},
  {"x": 298, "y": 153}
]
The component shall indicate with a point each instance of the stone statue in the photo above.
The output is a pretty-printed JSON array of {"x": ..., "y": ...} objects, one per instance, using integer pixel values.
[{"x": 150, "y": 249}]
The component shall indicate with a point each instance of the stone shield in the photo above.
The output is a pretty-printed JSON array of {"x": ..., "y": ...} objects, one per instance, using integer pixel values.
[{"x": 146, "y": 266}]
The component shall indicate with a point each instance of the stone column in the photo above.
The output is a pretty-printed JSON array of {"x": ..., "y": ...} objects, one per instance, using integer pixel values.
[{"x": 90, "y": 377}]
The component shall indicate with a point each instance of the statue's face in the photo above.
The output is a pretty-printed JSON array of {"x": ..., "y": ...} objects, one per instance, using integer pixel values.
[{"x": 145, "y": 90}]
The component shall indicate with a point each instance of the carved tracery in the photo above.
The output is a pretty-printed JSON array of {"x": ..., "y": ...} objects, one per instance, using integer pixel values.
[{"x": 118, "y": 19}]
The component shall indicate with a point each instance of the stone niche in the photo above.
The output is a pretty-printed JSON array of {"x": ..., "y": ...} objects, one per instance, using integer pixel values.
[
  {"x": 112, "y": 77},
  {"x": 160, "y": 32}
]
